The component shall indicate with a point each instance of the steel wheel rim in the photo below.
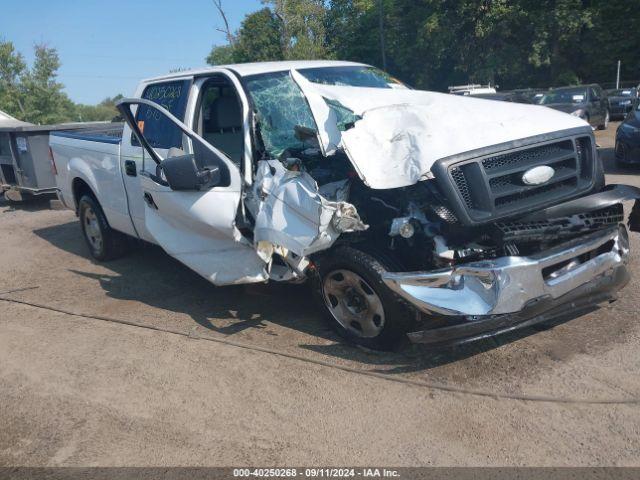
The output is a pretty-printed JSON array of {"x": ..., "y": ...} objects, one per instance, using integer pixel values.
[
  {"x": 92, "y": 230},
  {"x": 353, "y": 303}
]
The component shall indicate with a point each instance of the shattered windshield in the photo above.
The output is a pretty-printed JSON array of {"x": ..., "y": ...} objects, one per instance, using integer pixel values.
[
  {"x": 281, "y": 107},
  {"x": 352, "y": 76}
]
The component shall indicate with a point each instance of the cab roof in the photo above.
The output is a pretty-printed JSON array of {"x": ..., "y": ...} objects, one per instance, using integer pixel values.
[{"x": 247, "y": 69}]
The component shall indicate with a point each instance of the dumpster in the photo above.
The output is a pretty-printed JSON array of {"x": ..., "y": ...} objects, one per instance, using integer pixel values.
[{"x": 25, "y": 164}]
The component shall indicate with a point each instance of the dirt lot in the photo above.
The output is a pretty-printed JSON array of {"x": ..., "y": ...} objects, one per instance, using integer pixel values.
[{"x": 141, "y": 362}]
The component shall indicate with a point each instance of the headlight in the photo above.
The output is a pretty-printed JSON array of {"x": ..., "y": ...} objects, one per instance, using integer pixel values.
[
  {"x": 578, "y": 113},
  {"x": 625, "y": 102}
]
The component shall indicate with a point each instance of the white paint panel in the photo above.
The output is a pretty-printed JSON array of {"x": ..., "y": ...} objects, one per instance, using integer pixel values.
[
  {"x": 403, "y": 132},
  {"x": 292, "y": 213},
  {"x": 197, "y": 228}
]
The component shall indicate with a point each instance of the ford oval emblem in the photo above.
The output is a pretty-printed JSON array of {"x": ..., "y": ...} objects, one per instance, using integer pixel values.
[{"x": 538, "y": 175}]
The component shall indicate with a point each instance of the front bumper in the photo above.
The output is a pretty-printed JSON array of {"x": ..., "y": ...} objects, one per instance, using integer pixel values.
[{"x": 512, "y": 292}]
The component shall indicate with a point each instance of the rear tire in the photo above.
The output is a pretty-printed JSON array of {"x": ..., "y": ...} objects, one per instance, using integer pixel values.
[
  {"x": 104, "y": 243},
  {"x": 356, "y": 303}
]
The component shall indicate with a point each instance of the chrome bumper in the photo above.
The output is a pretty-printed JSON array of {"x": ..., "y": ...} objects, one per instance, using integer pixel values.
[{"x": 509, "y": 285}]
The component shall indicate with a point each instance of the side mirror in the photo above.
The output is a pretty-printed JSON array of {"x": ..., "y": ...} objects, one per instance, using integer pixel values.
[{"x": 182, "y": 173}]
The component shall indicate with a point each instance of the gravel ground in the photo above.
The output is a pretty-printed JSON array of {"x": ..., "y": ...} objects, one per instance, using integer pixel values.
[{"x": 142, "y": 362}]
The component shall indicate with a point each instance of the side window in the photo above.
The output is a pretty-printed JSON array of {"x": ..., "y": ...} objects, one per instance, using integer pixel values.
[
  {"x": 159, "y": 131},
  {"x": 594, "y": 94},
  {"x": 219, "y": 118},
  {"x": 201, "y": 155}
]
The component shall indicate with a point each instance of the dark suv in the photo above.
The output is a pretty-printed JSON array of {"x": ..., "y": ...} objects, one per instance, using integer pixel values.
[
  {"x": 621, "y": 101},
  {"x": 588, "y": 102}
]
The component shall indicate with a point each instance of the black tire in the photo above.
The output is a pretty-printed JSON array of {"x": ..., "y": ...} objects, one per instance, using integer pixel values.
[
  {"x": 399, "y": 317},
  {"x": 113, "y": 244}
]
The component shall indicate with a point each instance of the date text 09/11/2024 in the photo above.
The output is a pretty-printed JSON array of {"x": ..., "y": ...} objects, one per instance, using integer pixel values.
[{"x": 315, "y": 473}]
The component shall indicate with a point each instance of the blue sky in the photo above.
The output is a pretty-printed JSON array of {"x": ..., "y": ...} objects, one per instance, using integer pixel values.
[{"x": 106, "y": 46}]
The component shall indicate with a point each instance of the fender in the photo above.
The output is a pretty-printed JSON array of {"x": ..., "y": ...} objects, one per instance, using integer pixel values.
[{"x": 78, "y": 168}]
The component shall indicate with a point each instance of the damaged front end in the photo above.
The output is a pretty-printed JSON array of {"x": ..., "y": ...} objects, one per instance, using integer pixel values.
[
  {"x": 294, "y": 218},
  {"x": 459, "y": 220}
]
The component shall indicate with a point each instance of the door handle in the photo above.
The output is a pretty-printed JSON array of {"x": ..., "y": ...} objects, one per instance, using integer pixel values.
[
  {"x": 149, "y": 200},
  {"x": 130, "y": 168}
]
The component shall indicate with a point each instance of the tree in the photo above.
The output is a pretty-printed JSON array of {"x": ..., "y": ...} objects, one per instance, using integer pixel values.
[
  {"x": 12, "y": 68},
  {"x": 221, "y": 55},
  {"x": 44, "y": 98},
  {"x": 302, "y": 31},
  {"x": 436, "y": 43},
  {"x": 259, "y": 38},
  {"x": 105, "y": 111},
  {"x": 231, "y": 38},
  {"x": 351, "y": 27}
]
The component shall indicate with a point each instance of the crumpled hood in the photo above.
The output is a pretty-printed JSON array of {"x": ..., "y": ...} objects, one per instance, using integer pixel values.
[{"x": 401, "y": 133}]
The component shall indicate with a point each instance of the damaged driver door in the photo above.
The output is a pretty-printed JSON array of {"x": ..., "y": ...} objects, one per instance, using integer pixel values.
[{"x": 192, "y": 192}]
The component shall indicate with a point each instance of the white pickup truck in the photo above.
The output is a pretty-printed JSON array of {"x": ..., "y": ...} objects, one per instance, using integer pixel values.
[{"x": 415, "y": 213}]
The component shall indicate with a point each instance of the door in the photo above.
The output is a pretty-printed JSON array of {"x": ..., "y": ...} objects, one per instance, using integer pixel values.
[
  {"x": 173, "y": 95},
  {"x": 190, "y": 195}
]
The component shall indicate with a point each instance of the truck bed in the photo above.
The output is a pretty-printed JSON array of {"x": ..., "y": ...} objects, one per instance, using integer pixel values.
[{"x": 111, "y": 133}]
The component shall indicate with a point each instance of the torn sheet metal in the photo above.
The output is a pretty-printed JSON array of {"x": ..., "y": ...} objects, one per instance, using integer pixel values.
[
  {"x": 403, "y": 132},
  {"x": 293, "y": 215}
]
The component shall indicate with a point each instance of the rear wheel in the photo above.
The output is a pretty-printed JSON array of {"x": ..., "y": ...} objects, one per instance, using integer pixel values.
[
  {"x": 356, "y": 302},
  {"x": 104, "y": 243}
]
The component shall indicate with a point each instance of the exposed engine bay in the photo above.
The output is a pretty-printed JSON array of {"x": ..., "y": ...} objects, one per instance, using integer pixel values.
[{"x": 415, "y": 229}]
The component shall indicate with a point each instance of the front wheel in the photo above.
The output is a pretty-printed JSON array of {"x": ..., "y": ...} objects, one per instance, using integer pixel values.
[{"x": 356, "y": 302}]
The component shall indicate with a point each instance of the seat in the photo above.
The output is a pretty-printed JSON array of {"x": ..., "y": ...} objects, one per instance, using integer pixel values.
[{"x": 223, "y": 128}]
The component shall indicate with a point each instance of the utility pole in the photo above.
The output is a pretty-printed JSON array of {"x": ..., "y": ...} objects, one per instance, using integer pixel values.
[
  {"x": 381, "y": 28},
  {"x": 618, "y": 77}
]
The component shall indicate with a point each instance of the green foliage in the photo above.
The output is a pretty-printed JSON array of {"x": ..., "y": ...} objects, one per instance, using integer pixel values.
[
  {"x": 285, "y": 30},
  {"x": 34, "y": 95},
  {"x": 436, "y": 43},
  {"x": 259, "y": 38},
  {"x": 303, "y": 33},
  {"x": 221, "y": 55},
  {"x": 12, "y": 68},
  {"x": 43, "y": 97},
  {"x": 105, "y": 111}
]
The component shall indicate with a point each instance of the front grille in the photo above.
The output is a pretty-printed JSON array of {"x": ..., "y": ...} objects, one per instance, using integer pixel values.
[
  {"x": 491, "y": 187},
  {"x": 559, "y": 228}
]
